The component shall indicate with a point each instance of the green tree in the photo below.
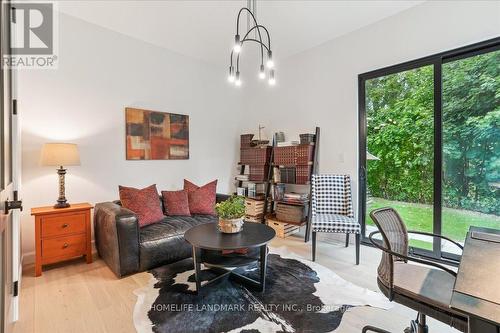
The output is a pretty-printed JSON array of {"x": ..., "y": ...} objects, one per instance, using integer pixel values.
[
  {"x": 400, "y": 124},
  {"x": 400, "y": 133}
]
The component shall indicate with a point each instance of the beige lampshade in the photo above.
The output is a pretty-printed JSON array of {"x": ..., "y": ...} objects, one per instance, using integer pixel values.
[{"x": 60, "y": 154}]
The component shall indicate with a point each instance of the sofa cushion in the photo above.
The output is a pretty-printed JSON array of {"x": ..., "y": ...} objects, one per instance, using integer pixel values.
[
  {"x": 201, "y": 199},
  {"x": 163, "y": 242},
  {"x": 144, "y": 203},
  {"x": 176, "y": 203}
]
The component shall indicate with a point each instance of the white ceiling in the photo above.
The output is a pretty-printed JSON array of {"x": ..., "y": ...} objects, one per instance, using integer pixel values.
[{"x": 205, "y": 29}]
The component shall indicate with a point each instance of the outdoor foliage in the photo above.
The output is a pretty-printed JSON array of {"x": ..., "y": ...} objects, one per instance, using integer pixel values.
[
  {"x": 400, "y": 133},
  {"x": 471, "y": 133},
  {"x": 232, "y": 208},
  {"x": 400, "y": 120}
]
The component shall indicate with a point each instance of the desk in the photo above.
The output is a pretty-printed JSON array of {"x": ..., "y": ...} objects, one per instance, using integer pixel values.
[{"x": 477, "y": 287}]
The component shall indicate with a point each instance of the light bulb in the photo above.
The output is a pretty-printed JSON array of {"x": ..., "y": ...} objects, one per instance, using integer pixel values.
[
  {"x": 270, "y": 62},
  {"x": 272, "y": 79},
  {"x": 262, "y": 73},
  {"x": 237, "y": 44},
  {"x": 238, "y": 81},
  {"x": 230, "y": 78}
]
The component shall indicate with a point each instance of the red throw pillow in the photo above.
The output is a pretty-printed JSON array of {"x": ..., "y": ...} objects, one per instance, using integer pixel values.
[
  {"x": 145, "y": 203},
  {"x": 176, "y": 202},
  {"x": 201, "y": 199}
]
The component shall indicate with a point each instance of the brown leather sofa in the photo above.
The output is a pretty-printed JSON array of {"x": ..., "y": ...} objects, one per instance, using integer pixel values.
[{"x": 128, "y": 249}]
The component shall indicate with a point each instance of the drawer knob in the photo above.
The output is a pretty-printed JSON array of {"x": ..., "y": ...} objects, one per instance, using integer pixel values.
[
  {"x": 65, "y": 225},
  {"x": 65, "y": 245}
]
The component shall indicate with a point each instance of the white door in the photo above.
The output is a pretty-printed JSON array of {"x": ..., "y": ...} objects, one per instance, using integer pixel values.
[{"x": 9, "y": 184}]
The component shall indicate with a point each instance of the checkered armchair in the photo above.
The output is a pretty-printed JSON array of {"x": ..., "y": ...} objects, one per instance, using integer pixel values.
[{"x": 332, "y": 208}]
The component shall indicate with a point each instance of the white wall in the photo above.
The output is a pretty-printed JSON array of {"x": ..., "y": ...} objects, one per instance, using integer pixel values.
[
  {"x": 319, "y": 87},
  {"x": 100, "y": 73}
]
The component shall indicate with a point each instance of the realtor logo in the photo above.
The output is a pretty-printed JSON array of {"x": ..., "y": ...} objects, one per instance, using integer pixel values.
[{"x": 32, "y": 35}]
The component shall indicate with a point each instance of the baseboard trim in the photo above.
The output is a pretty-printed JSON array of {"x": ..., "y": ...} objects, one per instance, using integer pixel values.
[{"x": 28, "y": 258}]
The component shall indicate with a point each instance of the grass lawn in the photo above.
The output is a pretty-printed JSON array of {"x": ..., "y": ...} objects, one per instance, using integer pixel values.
[{"x": 419, "y": 217}]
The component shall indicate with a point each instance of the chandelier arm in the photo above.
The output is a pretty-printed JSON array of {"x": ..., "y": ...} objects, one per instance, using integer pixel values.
[
  {"x": 268, "y": 40},
  {"x": 267, "y": 33},
  {"x": 261, "y": 48},
  {"x": 256, "y": 41},
  {"x": 256, "y": 24},
  {"x": 247, "y": 40},
  {"x": 231, "y": 57}
]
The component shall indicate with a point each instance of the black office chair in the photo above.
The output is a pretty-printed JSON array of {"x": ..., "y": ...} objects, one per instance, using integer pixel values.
[{"x": 424, "y": 289}]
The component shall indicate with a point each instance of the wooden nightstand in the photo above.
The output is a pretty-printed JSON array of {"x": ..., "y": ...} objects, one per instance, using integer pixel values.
[{"x": 61, "y": 234}]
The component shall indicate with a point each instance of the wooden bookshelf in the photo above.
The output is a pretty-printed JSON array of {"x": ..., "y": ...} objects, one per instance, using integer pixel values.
[{"x": 270, "y": 183}]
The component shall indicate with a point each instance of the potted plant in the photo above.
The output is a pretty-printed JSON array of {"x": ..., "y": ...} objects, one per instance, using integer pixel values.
[{"x": 231, "y": 214}]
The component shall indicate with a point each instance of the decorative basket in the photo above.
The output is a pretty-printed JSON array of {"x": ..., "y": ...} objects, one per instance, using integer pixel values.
[
  {"x": 286, "y": 155},
  {"x": 258, "y": 173},
  {"x": 304, "y": 154},
  {"x": 255, "y": 156},
  {"x": 303, "y": 174},
  {"x": 230, "y": 226},
  {"x": 307, "y": 138},
  {"x": 245, "y": 140},
  {"x": 290, "y": 213}
]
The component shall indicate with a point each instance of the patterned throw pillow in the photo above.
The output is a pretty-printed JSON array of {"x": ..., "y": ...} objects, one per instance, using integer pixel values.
[
  {"x": 176, "y": 203},
  {"x": 201, "y": 199},
  {"x": 145, "y": 203}
]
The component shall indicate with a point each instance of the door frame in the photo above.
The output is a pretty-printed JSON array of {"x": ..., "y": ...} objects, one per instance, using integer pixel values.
[
  {"x": 435, "y": 60},
  {"x": 10, "y": 190}
]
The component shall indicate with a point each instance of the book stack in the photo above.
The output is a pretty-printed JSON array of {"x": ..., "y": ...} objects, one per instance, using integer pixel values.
[
  {"x": 296, "y": 198},
  {"x": 287, "y": 143},
  {"x": 242, "y": 178}
]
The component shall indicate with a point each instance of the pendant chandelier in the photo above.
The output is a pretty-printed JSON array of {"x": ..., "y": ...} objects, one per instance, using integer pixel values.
[{"x": 259, "y": 31}]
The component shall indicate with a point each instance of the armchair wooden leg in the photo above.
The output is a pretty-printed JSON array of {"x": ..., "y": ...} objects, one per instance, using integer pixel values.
[
  {"x": 314, "y": 246},
  {"x": 358, "y": 241},
  {"x": 346, "y": 240}
]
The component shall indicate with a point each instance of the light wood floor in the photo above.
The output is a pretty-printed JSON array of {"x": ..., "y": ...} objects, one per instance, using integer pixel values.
[{"x": 76, "y": 297}]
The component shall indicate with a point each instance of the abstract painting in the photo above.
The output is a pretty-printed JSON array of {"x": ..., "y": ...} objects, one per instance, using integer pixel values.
[{"x": 153, "y": 135}]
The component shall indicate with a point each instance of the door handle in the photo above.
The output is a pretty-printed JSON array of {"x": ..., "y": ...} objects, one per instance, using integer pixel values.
[{"x": 14, "y": 204}]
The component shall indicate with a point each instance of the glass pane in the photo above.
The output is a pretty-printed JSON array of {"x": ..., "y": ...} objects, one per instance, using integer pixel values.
[
  {"x": 471, "y": 145},
  {"x": 400, "y": 140}
]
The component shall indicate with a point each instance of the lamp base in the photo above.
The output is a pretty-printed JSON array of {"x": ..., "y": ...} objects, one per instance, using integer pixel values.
[
  {"x": 61, "y": 201},
  {"x": 62, "y": 205}
]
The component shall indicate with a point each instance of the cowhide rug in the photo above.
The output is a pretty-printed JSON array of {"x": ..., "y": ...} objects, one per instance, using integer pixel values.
[{"x": 300, "y": 296}]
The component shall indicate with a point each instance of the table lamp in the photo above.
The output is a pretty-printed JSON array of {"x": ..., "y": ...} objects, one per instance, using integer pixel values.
[{"x": 60, "y": 154}]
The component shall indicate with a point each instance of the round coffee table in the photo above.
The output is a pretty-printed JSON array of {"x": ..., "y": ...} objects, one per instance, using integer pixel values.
[{"x": 208, "y": 242}]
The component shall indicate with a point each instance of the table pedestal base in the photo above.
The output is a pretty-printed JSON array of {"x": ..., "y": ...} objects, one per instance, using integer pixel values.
[{"x": 222, "y": 267}]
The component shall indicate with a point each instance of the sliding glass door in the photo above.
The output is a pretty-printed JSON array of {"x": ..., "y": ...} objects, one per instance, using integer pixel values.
[
  {"x": 430, "y": 144},
  {"x": 400, "y": 140},
  {"x": 471, "y": 144}
]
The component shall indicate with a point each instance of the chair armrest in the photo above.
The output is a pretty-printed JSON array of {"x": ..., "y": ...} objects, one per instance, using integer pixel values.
[
  {"x": 116, "y": 232},
  {"x": 420, "y": 261},
  {"x": 434, "y": 235}
]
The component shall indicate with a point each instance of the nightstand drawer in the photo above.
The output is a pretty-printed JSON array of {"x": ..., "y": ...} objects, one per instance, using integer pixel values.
[
  {"x": 63, "y": 225},
  {"x": 63, "y": 247}
]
